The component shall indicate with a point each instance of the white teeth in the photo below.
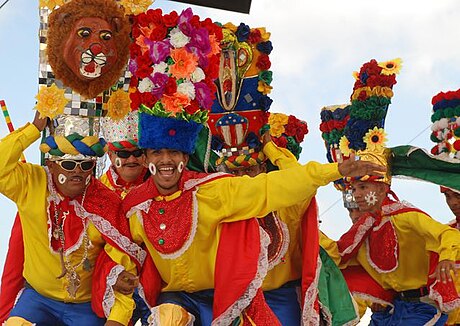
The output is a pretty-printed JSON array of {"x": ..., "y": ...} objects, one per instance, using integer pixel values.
[{"x": 166, "y": 169}]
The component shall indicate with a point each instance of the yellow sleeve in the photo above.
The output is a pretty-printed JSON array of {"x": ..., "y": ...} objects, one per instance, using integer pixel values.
[
  {"x": 243, "y": 197},
  {"x": 330, "y": 246},
  {"x": 438, "y": 237},
  {"x": 123, "y": 307},
  {"x": 14, "y": 174},
  {"x": 280, "y": 157}
]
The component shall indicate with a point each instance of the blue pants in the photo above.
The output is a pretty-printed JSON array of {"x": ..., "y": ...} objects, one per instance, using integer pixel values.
[
  {"x": 198, "y": 304},
  {"x": 43, "y": 311},
  {"x": 141, "y": 312},
  {"x": 407, "y": 313},
  {"x": 285, "y": 304}
]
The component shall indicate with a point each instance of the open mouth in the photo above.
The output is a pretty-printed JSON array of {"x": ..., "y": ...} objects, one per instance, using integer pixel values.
[
  {"x": 91, "y": 65},
  {"x": 166, "y": 171},
  {"x": 76, "y": 179}
]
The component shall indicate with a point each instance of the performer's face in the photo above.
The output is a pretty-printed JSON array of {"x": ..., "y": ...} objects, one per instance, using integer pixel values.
[
  {"x": 128, "y": 163},
  {"x": 453, "y": 201},
  {"x": 71, "y": 176},
  {"x": 369, "y": 195},
  {"x": 168, "y": 166},
  {"x": 251, "y": 171}
]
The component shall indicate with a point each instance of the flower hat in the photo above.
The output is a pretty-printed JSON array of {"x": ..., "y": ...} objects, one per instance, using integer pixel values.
[
  {"x": 364, "y": 132},
  {"x": 174, "y": 60},
  {"x": 240, "y": 109}
]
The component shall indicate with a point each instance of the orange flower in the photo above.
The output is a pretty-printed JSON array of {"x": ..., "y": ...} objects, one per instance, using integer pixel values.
[
  {"x": 184, "y": 63},
  {"x": 174, "y": 103}
]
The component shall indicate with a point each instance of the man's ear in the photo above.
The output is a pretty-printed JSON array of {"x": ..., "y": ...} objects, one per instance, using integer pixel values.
[{"x": 186, "y": 157}]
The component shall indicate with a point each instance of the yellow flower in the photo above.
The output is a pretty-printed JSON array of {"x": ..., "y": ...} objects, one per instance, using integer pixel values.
[
  {"x": 375, "y": 138},
  {"x": 355, "y": 75},
  {"x": 135, "y": 7},
  {"x": 264, "y": 34},
  {"x": 51, "y": 101},
  {"x": 277, "y": 121},
  {"x": 119, "y": 105},
  {"x": 391, "y": 67},
  {"x": 358, "y": 91},
  {"x": 264, "y": 88},
  {"x": 344, "y": 146},
  {"x": 50, "y": 4},
  {"x": 382, "y": 91},
  {"x": 231, "y": 27}
]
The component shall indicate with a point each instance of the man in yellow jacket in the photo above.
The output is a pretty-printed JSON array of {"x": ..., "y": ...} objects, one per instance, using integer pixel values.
[{"x": 68, "y": 217}]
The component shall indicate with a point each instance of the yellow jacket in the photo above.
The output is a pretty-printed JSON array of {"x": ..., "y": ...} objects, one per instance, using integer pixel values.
[
  {"x": 225, "y": 200},
  {"x": 27, "y": 185}
]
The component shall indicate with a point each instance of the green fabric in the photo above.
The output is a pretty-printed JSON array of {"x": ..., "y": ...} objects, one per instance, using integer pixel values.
[
  {"x": 197, "y": 159},
  {"x": 333, "y": 292},
  {"x": 414, "y": 162}
]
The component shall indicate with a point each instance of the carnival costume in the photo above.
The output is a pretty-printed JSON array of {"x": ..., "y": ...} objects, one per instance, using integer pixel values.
[
  {"x": 238, "y": 117},
  {"x": 388, "y": 246},
  {"x": 195, "y": 255}
]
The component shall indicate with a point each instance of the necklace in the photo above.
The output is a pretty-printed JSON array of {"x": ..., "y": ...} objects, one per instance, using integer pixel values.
[{"x": 69, "y": 270}]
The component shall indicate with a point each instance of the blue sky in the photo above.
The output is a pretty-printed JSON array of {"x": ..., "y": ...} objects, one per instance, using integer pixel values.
[{"x": 317, "y": 46}]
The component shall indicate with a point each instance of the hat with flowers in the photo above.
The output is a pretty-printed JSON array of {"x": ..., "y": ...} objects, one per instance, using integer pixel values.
[
  {"x": 240, "y": 108},
  {"x": 364, "y": 132},
  {"x": 174, "y": 60}
]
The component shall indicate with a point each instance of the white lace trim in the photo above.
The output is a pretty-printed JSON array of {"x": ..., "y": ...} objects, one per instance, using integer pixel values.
[
  {"x": 114, "y": 175},
  {"x": 434, "y": 320},
  {"x": 194, "y": 226},
  {"x": 232, "y": 312},
  {"x": 18, "y": 296},
  {"x": 327, "y": 316},
  {"x": 144, "y": 206},
  {"x": 357, "y": 318},
  {"x": 109, "y": 295},
  {"x": 393, "y": 207},
  {"x": 284, "y": 245},
  {"x": 362, "y": 229},
  {"x": 192, "y": 183},
  {"x": 371, "y": 298},
  {"x": 443, "y": 306},
  {"x": 154, "y": 318},
  {"x": 309, "y": 314},
  {"x": 110, "y": 231}
]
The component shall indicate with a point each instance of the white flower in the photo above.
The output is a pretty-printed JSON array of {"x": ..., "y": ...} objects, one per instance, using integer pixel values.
[
  {"x": 198, "y": 75},
  {"x": 187, "y": 88},
  {"x": 177, "y": 38},
  {"x": 160, "y": 67},
  {"x": 145, "y": 85}
]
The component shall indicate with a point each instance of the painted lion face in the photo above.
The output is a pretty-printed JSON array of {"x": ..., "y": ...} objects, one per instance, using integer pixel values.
[{"x": 90, "y": 49}]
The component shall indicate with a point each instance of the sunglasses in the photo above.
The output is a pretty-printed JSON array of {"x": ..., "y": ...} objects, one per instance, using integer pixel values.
[
  {"x": 127, "y": 154},
  {"x": 70, "y": 165}
]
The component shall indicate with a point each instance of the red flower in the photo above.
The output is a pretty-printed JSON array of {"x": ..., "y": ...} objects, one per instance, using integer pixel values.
[
  {"x": 193, "y": 107},
  {"x": 155, "y": 17},
  {"x": 255, "y": 36},
  {"x": 170, "y": 19},
  {"x": 362, "y": 96},
  {"x": 171, "y": 86},
  {"x": 212, "y": 70},
  {"x": 148, "y": 99},
  {"x": 213, "y": 28},
  {"x": 135, "y": 100},
  {"x": 159, "y": 33},
  {"x": 263, "y": 62},
  {"x": 281, "y": 141},
  {"x": 195, "y": 21}
]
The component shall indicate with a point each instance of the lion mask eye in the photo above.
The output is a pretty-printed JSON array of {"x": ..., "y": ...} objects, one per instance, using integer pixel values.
[
  {"x": 84, "y": 32},
  {"x": 105, "y": 35}
]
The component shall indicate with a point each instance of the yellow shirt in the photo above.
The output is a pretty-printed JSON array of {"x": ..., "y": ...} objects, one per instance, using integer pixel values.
[
  {"x": 290, "y": 268},
  {"x": 227, "y": 200},
  {"x": 417, "y": 234},
  {"x": 26, "y": 185}
]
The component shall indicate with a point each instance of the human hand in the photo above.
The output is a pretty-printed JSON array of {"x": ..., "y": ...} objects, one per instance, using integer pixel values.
[
  {"x": 353, "y": 168},
  {"x": 442, "y": 271},
  {"x": 126, "y": 283},
  {"x": 266, "y": 138},
  {"x": 40, "y": 123}
]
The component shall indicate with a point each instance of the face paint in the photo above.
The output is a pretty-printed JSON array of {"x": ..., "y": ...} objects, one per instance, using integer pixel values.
[
  {"x": 180, "y": 167},
  {"x": 118, "y": 163},
  {"x": 371, "y": 198},
  {"x": 62, "y": 178},
  {"x": 152, "y": 168}
]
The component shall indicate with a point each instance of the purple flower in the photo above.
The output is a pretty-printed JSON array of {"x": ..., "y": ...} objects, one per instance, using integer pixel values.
[
  {"x": 132, "y": 65},
  {"x": 203, "y": 95},
  {"x": 159, "y": 82},
  {"x": 242, "y": 32},
  {"x": 199, "y": 45},
  {"x": 183, "y": 22},
  {"x": 159, "y": 50},
  {"x": 265, "y": 47}
]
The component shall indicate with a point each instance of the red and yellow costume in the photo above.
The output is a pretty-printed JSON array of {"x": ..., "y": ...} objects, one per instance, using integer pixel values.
[{"x": 95, "y": 218}]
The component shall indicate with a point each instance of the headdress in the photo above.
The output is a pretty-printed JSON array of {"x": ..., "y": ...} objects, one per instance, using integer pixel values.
[
  {"x": 240, "y": 109},
  {"x": 364, "y": 134},
  {"x": 333, "y": 121},
  {"x": 174, "y": 61}
]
